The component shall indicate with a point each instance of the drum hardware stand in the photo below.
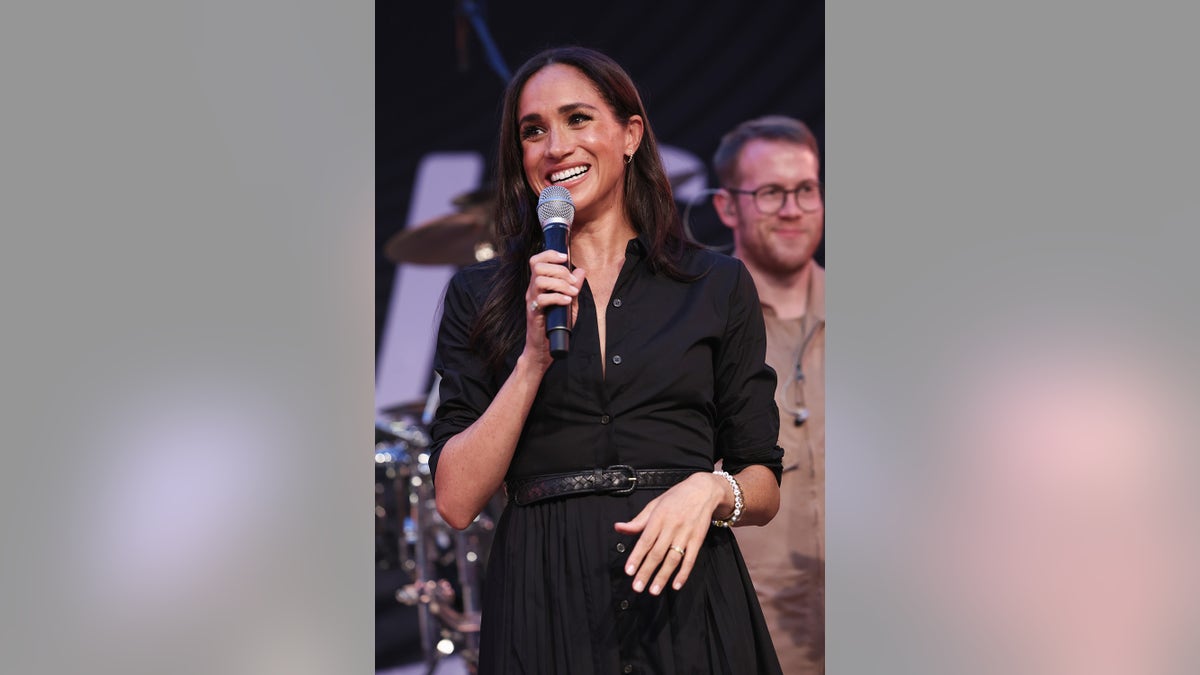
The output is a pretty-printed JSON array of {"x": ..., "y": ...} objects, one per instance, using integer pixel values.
[
  {"x": 435, "y": 599},
  {"x": 460, "y": 628}
]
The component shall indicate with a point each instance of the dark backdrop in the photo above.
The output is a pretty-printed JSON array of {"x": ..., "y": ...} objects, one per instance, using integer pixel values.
[{"x": 701, "y": 67}]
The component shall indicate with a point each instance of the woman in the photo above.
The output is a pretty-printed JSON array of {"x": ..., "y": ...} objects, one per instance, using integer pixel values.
[{"x": 609, "y": 556}]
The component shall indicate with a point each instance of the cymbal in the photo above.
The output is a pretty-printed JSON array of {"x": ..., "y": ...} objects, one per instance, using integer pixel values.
[
  {"x": 455, "y": 239},
  {"x": 412, "y": 408}
]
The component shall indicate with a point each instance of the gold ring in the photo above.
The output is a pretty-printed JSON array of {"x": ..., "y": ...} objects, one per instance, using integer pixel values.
[
  {"x": 533, "y": 306},
  {"x": 677, "y": 550}
]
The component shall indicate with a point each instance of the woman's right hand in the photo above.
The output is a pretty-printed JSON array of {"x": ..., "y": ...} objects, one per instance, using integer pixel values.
[{"x": 551, "y": 283}]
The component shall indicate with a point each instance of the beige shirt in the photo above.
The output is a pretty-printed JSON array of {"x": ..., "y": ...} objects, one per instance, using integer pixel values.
[{"x": 786, "y": 557}]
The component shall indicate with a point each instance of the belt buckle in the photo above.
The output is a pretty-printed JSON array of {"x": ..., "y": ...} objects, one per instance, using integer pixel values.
[{"x": 633, "y": 478}]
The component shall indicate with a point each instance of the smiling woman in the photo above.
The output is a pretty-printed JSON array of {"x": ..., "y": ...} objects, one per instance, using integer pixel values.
[
  {"x": 571, "y": 138},
  {"x": 614, "y": 552}
]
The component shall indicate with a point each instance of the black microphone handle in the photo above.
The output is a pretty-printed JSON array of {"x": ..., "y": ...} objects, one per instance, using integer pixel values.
[
  {"x": 558, "y": 332},
  {"x": 560, "y": 338}
]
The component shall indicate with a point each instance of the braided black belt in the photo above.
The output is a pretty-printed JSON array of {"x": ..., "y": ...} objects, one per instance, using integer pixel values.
[{"x": 617, "y": 479}]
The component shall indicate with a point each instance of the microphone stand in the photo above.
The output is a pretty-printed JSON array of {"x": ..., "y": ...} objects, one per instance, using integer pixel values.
[{"x": 470, "y": 9}]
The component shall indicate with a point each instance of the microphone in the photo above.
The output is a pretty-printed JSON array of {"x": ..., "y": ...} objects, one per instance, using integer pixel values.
[{"x": 556, "y": 212}]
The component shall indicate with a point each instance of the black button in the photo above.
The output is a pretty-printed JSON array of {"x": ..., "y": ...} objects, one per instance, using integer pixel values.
[
  {"x": 620, "y": 548},
  {"x": 617, "y": 359},
  {"x": 624, "y": 604},
  {"x": 617, "y": 302},
  {"x": 605, "y": 419}
]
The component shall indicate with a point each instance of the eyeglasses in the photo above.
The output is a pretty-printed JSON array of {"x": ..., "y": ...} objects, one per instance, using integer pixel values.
[{"x": 770, "y": 199}]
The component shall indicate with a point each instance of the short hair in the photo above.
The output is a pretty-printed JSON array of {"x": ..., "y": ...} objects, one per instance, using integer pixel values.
[{"x": 768, "y": 128}]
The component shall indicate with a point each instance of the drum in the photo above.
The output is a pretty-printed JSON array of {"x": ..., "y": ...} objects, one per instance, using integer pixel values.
[
  {"x": 443, "y": 568},
  {"x": 404, "y": 506}
]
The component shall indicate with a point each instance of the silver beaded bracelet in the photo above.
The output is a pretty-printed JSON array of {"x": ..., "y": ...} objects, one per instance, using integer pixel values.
[{"x": 737, "y": 501}]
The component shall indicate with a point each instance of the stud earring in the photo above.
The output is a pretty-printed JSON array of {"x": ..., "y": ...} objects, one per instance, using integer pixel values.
[{"x": 628, "y": 159}]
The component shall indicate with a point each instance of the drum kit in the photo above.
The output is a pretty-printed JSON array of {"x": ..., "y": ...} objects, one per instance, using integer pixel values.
[{"x": 442, "y": 570}]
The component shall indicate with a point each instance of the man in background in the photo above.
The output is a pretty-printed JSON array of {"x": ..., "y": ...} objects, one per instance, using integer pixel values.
[{"x": 772, "y": 199}]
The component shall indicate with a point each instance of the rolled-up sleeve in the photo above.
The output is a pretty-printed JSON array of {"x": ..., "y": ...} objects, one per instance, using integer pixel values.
[
  {"x": 747, "y": 417},
  {"x": 466, "y": 389}
]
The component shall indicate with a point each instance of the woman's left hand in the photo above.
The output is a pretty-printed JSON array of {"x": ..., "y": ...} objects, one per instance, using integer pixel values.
[{"x": 675, "y": 521}]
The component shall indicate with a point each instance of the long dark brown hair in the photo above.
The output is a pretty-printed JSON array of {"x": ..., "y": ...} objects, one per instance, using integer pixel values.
[{"x": 649, "y": 203}]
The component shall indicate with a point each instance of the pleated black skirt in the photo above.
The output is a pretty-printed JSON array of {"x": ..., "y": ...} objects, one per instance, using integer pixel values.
[{"x": 557, "y": 599}]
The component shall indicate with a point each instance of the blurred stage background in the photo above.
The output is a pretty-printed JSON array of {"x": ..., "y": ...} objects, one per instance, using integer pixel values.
[{"x": 701, "y": 68}]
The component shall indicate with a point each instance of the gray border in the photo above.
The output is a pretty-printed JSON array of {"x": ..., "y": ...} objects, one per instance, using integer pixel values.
[
  {"x": 1007, "y": 184},
  {"x": 188, "y": 208}
]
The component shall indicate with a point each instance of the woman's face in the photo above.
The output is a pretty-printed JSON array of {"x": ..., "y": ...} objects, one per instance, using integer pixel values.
[{"x": 570, "y": 137}]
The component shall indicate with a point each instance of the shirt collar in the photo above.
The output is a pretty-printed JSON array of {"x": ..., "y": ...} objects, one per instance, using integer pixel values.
[
  {"x": 639, "y": 245},
  {"x": 815, "y": 306}
]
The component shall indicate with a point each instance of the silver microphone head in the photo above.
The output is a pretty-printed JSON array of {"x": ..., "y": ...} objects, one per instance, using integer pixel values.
[{"x": 555, "y": 205}]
